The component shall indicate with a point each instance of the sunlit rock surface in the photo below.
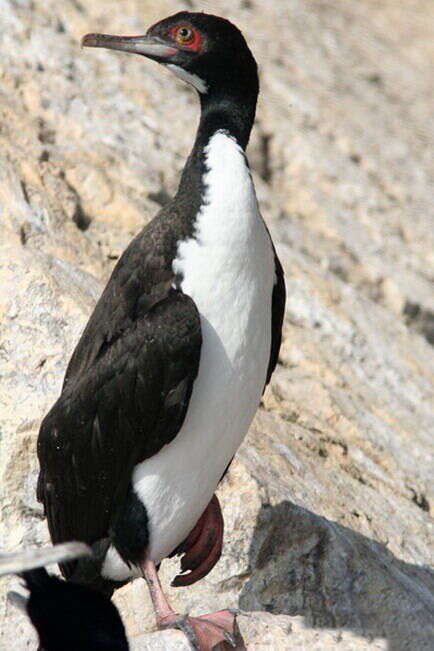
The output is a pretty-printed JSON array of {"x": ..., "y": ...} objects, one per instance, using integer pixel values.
[{"x": 328, "y": 504}]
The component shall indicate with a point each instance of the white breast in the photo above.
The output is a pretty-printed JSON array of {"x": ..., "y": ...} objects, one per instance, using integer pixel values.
[{"x": 228, "y": 270}]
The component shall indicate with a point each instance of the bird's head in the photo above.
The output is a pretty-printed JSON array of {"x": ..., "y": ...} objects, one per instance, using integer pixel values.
[{"x": 206, "y": 51}]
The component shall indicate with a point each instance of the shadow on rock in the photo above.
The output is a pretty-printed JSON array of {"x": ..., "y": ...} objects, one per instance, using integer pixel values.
[{"x": 303, "y": 564}]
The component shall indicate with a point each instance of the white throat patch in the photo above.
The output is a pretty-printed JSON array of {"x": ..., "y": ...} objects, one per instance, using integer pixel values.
[{"x": 194, "y": 80}]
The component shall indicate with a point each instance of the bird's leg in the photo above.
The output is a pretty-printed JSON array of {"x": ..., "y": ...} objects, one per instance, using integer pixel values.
[
  {"x": 162, "y": 607},
  {"x": 204, "y": 632}
]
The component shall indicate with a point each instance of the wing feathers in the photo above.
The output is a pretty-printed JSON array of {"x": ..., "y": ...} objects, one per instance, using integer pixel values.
[{"x": 117, "y": 412}]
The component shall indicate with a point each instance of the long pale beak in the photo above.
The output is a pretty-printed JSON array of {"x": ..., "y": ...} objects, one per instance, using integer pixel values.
[{"x": 149, "y": 46}]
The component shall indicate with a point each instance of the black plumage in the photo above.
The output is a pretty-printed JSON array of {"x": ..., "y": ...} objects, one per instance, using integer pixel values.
[
  {"x": 70, "y": 617},
  {"x": 126, "y": 388},
  {"x": 66, "y": 616},
  {"x": 125, "y": 396},
  {"x": 278, "y": 300}
]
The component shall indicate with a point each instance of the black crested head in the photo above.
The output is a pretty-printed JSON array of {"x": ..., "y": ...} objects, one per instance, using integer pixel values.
[{"x": 208, "y": 52}]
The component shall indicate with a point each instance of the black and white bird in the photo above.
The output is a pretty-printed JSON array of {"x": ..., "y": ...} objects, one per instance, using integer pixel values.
[
  {"x": 168, "y": 374},
  {"x": 67, "y": 616}
]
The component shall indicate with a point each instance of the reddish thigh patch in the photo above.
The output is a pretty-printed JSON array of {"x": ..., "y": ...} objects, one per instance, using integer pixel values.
[{"x": 203, "y": 546}]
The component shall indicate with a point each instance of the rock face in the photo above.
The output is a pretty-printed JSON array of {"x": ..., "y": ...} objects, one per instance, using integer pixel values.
[{"x": 328, "y": 503}]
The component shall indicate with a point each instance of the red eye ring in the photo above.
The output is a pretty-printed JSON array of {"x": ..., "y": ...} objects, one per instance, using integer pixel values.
[{"x": 187, "y": 36}]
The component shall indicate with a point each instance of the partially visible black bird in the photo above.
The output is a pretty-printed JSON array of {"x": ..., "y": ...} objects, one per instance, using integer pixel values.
[
  {"x": 168, "y": 374},
  {"x": 67, "y": 616}
]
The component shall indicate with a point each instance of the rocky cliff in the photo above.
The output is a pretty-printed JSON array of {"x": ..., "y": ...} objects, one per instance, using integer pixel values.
[{"x": 328, "y": 503}]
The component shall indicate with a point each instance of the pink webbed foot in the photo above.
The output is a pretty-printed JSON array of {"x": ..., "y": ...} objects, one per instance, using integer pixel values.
[
  {"x": 206, "y": 631},
  {"x": 203, "y": 546}
]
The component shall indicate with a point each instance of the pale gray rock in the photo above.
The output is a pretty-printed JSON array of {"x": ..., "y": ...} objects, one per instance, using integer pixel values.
[
  {"x": 265, "y": 631},
  {"x": 328, "y": 505}
]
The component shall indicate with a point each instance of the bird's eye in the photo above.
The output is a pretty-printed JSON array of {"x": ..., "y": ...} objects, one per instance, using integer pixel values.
[
  {"x": 184, "y": 35},
  {"x": 187, "y": 36}
]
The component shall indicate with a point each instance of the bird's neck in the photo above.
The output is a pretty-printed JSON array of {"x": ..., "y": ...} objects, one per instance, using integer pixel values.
[
  {"x": 231, "y": 114},
  {"x": 234, "y": 113}
]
